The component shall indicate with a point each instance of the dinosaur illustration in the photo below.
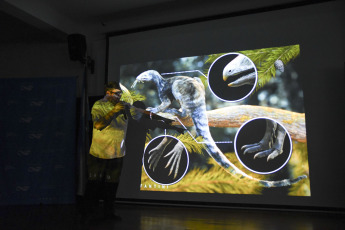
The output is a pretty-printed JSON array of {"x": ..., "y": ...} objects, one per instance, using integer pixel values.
[
  {"x": 240, "y": 65},
  {"x": 157, "y": 152},
  {"x": 190, "y": 94},
  {"x": 271, "y": 145}
]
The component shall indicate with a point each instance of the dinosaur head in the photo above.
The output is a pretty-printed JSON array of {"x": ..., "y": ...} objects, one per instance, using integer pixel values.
[
  {"x": 238, "y": 65},
  {"x": 145, "y": 76}
]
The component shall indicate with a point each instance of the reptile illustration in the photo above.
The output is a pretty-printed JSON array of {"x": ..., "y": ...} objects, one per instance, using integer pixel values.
[
  {"x": 240, "y": 65},
  {"x": 157, "y": 152},
  {"x": 271, "y": 145},
  {"x": 190, "y": 94}
]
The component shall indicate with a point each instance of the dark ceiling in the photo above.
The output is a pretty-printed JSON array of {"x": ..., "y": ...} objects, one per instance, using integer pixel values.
[
  {"x": 14, "y": 30},
  {"x": 50, "y": 20}
]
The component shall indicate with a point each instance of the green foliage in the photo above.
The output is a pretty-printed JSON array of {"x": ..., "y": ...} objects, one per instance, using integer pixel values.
[
  {"x": 298, "y": 165},
  {"x": 148, "y": 138},
  {"x": 191, "y": 143},
  {"x": 136, "y": 96},
  {"x": 126, "y": 95},
  {"x": 213, "y": 57},
  {"x": 264, "y": 60},
  {"x": 131, "y": 96},
  {"x": 214, "y": 179},
  {"x": 204, "y": 80},
  {"x": 211, "y": 180}
]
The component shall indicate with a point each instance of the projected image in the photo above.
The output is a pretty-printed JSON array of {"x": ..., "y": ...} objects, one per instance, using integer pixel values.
[
  {"x": 263, "y": 145},
  {"x": 165, "y": 160},
  {"x": 236, "y": 80},
  {"x": 243, "y": 118}
]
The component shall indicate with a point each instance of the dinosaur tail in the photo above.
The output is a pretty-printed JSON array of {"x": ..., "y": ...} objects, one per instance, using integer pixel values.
[{"x": 202, "y": 129}]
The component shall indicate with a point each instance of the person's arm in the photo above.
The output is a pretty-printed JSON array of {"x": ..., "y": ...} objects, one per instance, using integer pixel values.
[
  {"x": 153, "y": 120},
  {"x": 106, "y": 120}
]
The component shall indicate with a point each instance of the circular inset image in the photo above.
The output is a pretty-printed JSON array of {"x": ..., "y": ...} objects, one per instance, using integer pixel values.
[
  {"x": 232, "y": 77},
  {"x": 263, "y": 145},
  {"x": 165, "y": 160}
]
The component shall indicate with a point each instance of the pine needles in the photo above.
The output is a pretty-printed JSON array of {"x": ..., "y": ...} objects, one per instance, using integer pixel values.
[
  {"x": 298, "y": 165},
  {"x": 192, "y": 144},
  {"x": 214, "y": 179},
  {"x": 264, "y": 60},
  {"x": 211, "y": 180},
  {"x": 136, "y": 96},
  {"x": 131, "y": 96}
]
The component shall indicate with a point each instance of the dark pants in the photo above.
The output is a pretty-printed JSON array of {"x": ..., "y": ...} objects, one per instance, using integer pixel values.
[{"x": 103, "y": 180}]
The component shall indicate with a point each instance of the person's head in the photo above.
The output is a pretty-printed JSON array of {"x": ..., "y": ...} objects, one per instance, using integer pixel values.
[{"x": 113, "y": 91}]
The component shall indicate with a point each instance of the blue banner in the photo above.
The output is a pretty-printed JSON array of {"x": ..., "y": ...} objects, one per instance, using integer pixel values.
[{"x": 37, "y": 140}]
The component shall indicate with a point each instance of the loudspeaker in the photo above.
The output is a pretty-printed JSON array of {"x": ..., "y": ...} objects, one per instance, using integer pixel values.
[{"x": 77, "y": 47}]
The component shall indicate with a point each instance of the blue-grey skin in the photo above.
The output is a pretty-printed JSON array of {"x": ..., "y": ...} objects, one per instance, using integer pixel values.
[{"x": 190, "y": 93}]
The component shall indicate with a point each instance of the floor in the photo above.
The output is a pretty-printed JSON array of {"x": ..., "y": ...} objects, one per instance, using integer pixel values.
[{"x": 152, "y": 217}]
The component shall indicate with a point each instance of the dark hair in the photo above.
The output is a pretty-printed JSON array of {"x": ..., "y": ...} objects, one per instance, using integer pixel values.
[{"x": 111, "y": 85}]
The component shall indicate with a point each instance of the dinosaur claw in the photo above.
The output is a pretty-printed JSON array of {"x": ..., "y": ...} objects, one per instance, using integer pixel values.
[
  {"x": 257, "y": 156},
  {"x": 273, "y": 155},
  {"x": 262, "y": 154}
]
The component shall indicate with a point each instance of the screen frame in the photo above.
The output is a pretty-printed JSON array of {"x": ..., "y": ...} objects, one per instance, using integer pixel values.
[{"x": 321, "y": 14}]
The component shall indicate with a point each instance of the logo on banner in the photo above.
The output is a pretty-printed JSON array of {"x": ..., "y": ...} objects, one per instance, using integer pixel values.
[
  {"x": 34, "y": 169},
  {"x": 26, "y": 120},
  {"x": 22, "y": 188},
  {"x": 36, "y": 136},
  {"x": 24, "y": 152},
  {"x": 36, "y": 103},
  {"x": 26, "y": 87}
]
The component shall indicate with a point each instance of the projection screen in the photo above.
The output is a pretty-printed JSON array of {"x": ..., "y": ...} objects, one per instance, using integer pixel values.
[{"x": 258, "y": 100}]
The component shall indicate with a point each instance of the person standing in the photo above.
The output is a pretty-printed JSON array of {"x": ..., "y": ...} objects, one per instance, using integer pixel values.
[
  {"x": 110, "y": 118},
  {"x": 105, "y": 158}
]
